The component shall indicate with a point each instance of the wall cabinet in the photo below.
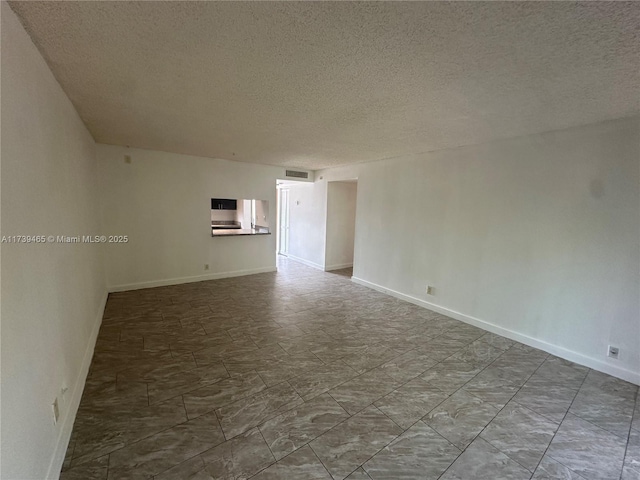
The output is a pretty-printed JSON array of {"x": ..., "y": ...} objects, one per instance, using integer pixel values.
[{"x": 224, "y": 204}]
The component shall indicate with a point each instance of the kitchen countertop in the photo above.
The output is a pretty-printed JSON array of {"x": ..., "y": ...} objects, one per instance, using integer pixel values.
[{"x": 229, "y": 232}]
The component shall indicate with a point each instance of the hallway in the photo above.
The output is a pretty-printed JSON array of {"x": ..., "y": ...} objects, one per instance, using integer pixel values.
[{"x": 302, "y": 374}]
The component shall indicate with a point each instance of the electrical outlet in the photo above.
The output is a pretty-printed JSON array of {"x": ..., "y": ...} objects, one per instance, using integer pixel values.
[
  {"x": 614, "y": 352},
  {"x": 56, "y": 411},
  {"x": 430, "y": 290},
  {"x": 206, "y": 266}
]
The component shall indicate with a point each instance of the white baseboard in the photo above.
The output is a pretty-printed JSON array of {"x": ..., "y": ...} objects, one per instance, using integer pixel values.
[
  {"x": 338, "y": 266},
  {"x": 594, "y": 363},
  {"x": 308, "y": 263},
  {"x": 69, "y": 414},
  {"x": 197, "y": 278}
]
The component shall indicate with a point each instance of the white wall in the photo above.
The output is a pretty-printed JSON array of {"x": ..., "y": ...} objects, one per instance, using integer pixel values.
[
  {"x": 341, "y": 224},
  {"x": 537, "y": 237},
  {"x": 52, "y": 294},
  {"x": 307, "y": 223},
  {"x": 162, "y": 201},
  {"x": 224, "y": 215},
  {"x": 262, "y": 213}
]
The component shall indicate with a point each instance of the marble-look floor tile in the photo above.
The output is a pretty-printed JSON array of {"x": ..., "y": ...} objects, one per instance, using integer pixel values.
[
  {"x": 521, "y": 434},
  {"x": 353, "y": 442},
  {"x": 492, "y": 389},
  {"x": 440, "y": 348},
  {"x": 481, "y": 461},
  {"x": 571, "y": 374},
  {"x": 92, "y": 470},
  {"x": 297, "y": 427},
  {"x": 362, "y": 391},
  {"x": 254, "y": 349},
  {"x": 587, "y": 449},
  {"x": 635, "y": 424},
  {"x": 549, "y": 469},
  {"x": 359, "y": 474},
  {"x": 250, "y": 412},
  {"x": 159, "y": 369},
  {"x": 111, "y": 394},
  {"x": 461, "y": 418},
  {"x": 166, "y": 449},
  {"x": 449, "y": 375},
  {"x": 609, "y": 410},
  {"x": 321, "y": 379},
  {"x": 275, "y": 336},
  {"x": 180, "y": 383},
  {"x": 498, "y": 341},
  {"x": 370, "y": 357},
  {"x": 418, "y": 453},
  {"x": 101, "y": 430},
  {"x": 479, "y": 354},
  {"x": 192, "y": 469},
  {"x": 631, "y": 468},
  {"x": 612, "y": 385},
  {"x": 303, "y": 464},
  {"x": 408, "y": 365},
  {"x": 410, "y": 402},
  {"x": 547, "y": 397},
  {"x": 249, "y": 361},
  {"x": 216, "y": 353},
  {"x": 240, "y": 457},
  {"x": 224, "y": 392},
  {"x": 514, "y": 366},
  {"x": 288, "y": 367}
]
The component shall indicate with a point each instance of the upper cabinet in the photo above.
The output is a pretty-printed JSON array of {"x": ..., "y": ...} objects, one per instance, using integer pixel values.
[{"x": 224, "y": 204}]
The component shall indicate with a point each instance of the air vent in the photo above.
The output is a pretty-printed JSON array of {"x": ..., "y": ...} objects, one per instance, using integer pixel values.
[{"x": 293, "y": 173}]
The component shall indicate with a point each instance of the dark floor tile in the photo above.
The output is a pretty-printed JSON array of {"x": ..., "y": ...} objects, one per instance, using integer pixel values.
[
  {"x": 449, "y": 375},
  {"x": 297, "y": 427},
  {"x": 587, "y": 449},
  {"x": 481, "y": 461},
  {"x": 353, "y": 442},
  {"x": 419, "y": 452},
  {"x": 250, "y": 412},
  {"x": 92, "y": 470},
  {"x": 521, "y": 434},
  {"x": 166, "y": 449},
  {"x": 282, "y": 355},
  {"x": 547, "y": 397},
  {"x": 360, "y": 392},
  {"x": 302, "y": 464},
  {"x": 410, "y": 402},
  {"x": 240, "y": 457},
  {"x": 461, "y": 418},
  {"x": 224, "y": 392}
]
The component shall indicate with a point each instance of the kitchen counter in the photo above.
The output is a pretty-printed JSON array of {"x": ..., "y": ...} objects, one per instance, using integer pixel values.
[{"x": 229, "y": 232}]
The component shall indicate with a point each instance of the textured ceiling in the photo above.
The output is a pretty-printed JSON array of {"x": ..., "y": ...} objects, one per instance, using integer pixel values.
[{"x": 322, "y": 84}]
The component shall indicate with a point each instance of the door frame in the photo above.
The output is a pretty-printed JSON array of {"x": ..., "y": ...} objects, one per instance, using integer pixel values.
[{"x": 283, "y": 221}]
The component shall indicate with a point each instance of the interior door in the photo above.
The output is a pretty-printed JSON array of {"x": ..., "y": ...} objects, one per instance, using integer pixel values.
[{"x": 283, "y": 244}]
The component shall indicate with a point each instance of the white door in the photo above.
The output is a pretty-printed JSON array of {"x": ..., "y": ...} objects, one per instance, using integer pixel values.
[{"x": 283, "y": 244}]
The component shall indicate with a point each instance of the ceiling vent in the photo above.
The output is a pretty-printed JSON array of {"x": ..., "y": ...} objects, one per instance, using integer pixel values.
[{"x": 295, "y": 174}]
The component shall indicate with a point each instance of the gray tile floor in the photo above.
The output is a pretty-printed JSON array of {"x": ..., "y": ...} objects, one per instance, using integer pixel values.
[{"x": 304, "y": 375}]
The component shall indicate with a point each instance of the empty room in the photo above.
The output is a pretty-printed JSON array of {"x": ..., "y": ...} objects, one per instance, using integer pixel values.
[{"x": 320, "y": 240}]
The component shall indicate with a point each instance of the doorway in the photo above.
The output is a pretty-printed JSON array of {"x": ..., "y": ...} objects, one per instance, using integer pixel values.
[{"x": 340, "y": 224}]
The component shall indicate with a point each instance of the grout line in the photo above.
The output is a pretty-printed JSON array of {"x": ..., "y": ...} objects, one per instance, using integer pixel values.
[
  {"x": 323, "y": 289},
  {"x": 633, "y": 416},
  {"x": 561, "y": 422},
  {"x": 498, "y": 413},
  {"x": 275, "y": 460}
]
